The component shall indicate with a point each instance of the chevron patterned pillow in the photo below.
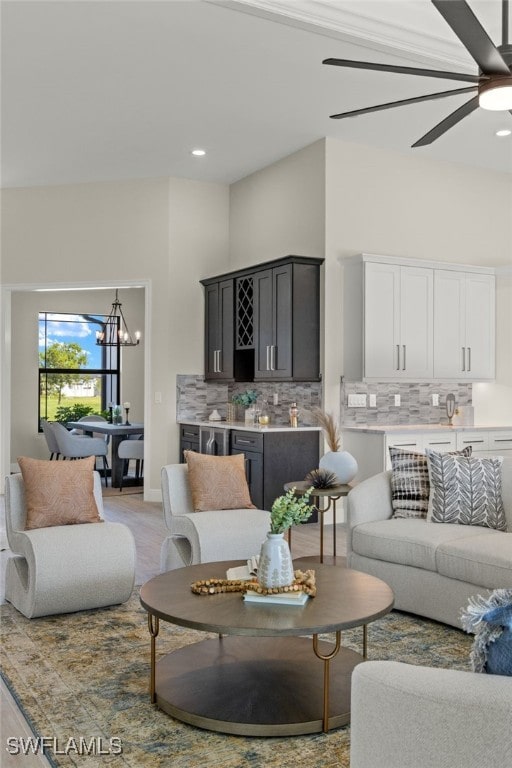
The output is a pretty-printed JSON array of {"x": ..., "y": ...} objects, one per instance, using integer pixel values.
[
  {"x": 466, "y": 490},
  {"x": 410, "y": 484}
]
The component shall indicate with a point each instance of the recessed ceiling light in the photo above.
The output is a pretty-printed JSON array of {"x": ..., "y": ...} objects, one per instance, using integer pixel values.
[
  {"x": 503, "y": 132},
  {"x": 198, "y": 152}
]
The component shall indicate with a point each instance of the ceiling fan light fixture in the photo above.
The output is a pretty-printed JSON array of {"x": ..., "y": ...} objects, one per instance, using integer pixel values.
[{"x": 496, "y": 95}]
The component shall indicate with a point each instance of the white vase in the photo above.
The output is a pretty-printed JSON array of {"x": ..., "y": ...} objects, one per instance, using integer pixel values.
[
  {"x": 342, "y": 463},
  {"x": 275, "y": 567}
]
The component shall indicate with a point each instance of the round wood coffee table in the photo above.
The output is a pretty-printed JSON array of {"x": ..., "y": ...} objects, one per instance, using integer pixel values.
[{"x": 268, "y": 673}]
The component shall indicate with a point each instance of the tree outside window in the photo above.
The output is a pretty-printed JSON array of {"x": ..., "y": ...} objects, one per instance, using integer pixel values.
[{"x": 76, "y": 377}]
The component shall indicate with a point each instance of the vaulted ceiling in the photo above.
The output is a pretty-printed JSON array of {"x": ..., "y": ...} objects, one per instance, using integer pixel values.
[{"x": 123, "y": 89}]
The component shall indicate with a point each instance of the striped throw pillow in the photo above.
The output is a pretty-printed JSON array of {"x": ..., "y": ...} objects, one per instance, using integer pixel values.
[{"x": 410, "y": 486}]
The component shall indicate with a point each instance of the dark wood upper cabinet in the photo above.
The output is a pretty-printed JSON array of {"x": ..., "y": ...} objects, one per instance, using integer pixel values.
[
  {"x": 219, "y": 330},
  {"x": 275, "y": 322}
]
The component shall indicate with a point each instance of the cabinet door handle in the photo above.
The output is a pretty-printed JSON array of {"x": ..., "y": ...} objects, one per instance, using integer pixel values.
[
  {"x": 441, "y": 442},
  {"x": 404, "y": 445},
  {"x": 503, "y": 439},
  {"x": 272, "y": 358},
  {"x": 403, "y": 363},
  {"x": 398, "y": 357},
  {"x": 268, "y": 358},
  {"x": 219, "y": 361},
  {"x": 471, "y": 442},
  {"x": 463, "y": 358},
  {"x": 245, "y": 442},
  {"x": 469, "y": 358}
]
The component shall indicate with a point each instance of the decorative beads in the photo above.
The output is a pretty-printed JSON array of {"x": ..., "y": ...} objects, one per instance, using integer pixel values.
[{"x": 304, "y": 581}]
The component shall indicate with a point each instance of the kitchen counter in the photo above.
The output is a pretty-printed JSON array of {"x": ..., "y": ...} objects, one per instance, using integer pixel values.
[
  {"x": 274, "y": 454},
  {"x": 408, "y": 428},
  {"x": 241, "y": 425}
]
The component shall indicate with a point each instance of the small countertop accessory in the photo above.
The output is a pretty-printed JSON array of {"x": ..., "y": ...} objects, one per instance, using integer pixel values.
[
  {"x": 214, "y": 416},
  {"x": 450, "y": 408}
]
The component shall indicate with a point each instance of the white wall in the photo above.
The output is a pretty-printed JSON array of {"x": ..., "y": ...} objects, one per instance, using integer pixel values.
[
  {"x": 280, "y": 210},
  {"x": 384, "y": 202},
  {"x": 164, "y": 232},
  {"x": 402, "y": 205}
]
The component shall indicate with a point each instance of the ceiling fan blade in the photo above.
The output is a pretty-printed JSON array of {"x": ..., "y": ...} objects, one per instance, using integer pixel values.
[
  {"x": 402, "y": 103},
  {"x": 403, "y": 70},
  {"x": 448, "y": 122},
  {"x": 472, "y": 35}
]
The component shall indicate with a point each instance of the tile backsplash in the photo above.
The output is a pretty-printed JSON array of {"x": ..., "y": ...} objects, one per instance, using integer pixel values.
[
  {"x": 197, "y": 398},
  {"x": 415, "y": 402}
]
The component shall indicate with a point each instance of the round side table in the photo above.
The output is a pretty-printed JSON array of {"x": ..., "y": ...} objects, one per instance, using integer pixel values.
[{"x": 331, "y": 495}]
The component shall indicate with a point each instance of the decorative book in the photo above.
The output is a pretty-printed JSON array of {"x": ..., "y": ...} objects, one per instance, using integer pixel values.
[
  {"x": 244, "y": 572},
  {"x": 281, "y": 598}
]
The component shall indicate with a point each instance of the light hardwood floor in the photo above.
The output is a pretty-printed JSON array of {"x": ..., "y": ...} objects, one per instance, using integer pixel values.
[{"x": 146, "y": 522}]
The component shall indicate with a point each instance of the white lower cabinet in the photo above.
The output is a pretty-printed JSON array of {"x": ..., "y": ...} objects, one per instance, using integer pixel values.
[
  {"x": 440, "y": 441},
  {"x": 371, "y": 449},
  {"x": 479, "y": 441}
]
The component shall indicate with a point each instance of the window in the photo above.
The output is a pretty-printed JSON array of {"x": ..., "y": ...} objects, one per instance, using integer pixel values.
[{"x": 73, "y": 370}]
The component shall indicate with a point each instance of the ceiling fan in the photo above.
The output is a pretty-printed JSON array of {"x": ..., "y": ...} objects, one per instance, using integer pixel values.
[{"x": 493, "y": 84}]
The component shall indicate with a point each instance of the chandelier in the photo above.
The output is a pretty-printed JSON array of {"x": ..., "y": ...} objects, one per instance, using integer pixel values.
[{"x": 115, "y": 331}]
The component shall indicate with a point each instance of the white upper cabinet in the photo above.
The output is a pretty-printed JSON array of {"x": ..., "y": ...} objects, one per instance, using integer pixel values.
[
  {"x": 405, "y": 319},
  {"x": 398, "y": 340},
  {"x": 392, "y": 326},
  {"x": 464, "y": 325}
]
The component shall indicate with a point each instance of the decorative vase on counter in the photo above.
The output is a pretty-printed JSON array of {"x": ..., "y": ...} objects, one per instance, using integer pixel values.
[
  {"x": 275, "y": 568},
  {"x": 342, "y": 463},
  {"x": 250, "y": 416}
]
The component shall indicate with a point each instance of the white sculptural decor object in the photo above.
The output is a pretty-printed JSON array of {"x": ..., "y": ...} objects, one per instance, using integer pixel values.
[{"x": 341, "y": 463}]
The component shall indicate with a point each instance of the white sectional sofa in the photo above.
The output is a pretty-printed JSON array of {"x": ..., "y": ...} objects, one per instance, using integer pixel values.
[
  {"x": 404, "y": 716},
  {"x": 433, "y": 568}
]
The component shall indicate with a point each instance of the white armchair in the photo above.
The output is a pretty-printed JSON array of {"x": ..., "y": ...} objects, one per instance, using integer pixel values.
[
  {"x": 203, "y": 537},
  {"x": 65, "y": 568}
]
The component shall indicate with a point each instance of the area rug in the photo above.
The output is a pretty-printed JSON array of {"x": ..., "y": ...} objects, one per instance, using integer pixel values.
[{"x": 85, "y": 676}]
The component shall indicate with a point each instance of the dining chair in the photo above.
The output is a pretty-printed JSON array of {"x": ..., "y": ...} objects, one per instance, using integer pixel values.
[
  {"x": 73, "y": 447},
  {"x": 92, "y": 417},
  {"x": 51, "y": 440},
  {"x": 131, "y": 449}
]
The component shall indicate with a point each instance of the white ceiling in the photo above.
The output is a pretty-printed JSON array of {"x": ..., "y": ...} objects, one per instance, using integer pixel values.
[{"x": 121, "y": 89}]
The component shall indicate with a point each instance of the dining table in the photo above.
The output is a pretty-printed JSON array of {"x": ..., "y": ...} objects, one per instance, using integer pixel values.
[{"x": 117, "y": 433}]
